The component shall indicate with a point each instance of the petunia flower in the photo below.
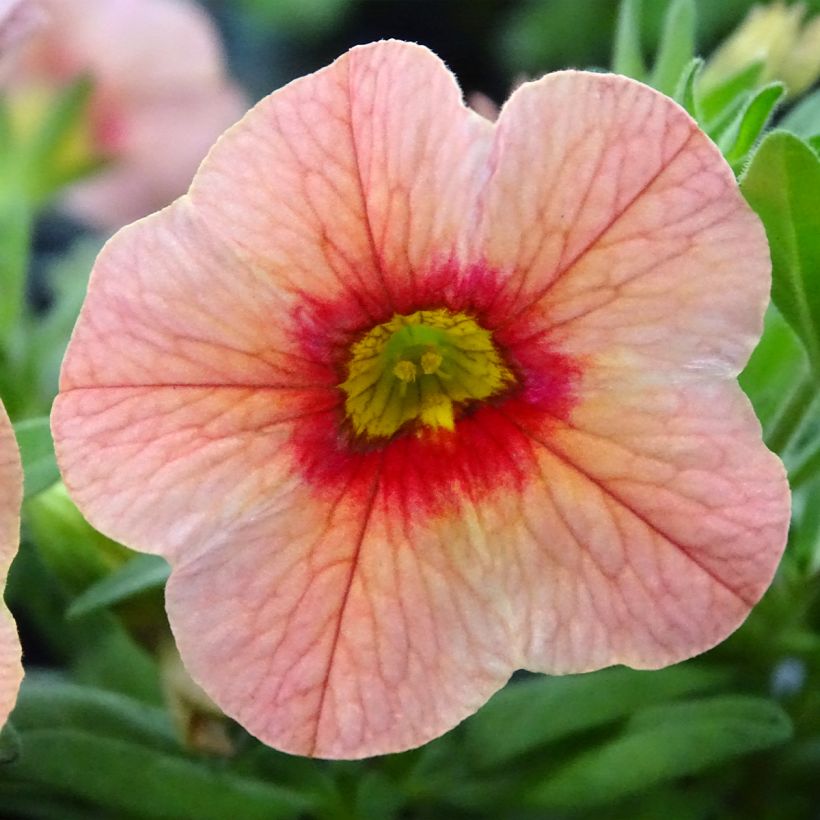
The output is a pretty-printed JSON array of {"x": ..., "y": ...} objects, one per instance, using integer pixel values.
[
  {"x": 161, "y": 96},
  {"x": 11, "y": 492},
  {"x": 410, "y": 400}
]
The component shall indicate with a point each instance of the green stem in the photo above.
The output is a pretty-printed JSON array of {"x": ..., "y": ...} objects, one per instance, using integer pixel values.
[{"x": 791, "y": 417}]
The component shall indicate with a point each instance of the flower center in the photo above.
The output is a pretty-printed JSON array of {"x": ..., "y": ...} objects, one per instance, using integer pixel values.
[{"x": 421, "y": 367}]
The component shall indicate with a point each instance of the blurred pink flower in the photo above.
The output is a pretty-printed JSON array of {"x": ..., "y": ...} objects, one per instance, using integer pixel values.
[
  {"x": 161, "y": 96},
  {"x": 11, "y": 492},
  {"x": 19, "y": 19},
  {"x": 410, "y": 400}
]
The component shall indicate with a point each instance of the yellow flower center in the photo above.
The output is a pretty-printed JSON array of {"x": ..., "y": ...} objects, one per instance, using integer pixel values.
[{"x": 420, "y": 368}]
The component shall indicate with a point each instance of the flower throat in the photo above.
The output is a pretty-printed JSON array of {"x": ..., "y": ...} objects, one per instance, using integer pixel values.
[{"x": 421, "y": 367}]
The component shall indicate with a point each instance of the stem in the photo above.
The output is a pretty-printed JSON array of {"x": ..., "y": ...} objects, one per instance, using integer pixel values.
[{"x": 791, "y": 417}]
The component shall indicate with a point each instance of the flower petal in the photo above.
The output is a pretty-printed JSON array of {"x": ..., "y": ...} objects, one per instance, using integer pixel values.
[
  {"x": 659, "y": 521},
  {"x": 11, "y": 496},
  {"x": 356, "y": 177},
  {"x": 632, "y": 242}
]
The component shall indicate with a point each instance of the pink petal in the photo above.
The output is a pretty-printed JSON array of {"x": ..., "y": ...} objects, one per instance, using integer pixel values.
[
  {"x": 11, "y": 496},
  {"x": 357, "y": 177},
  {"x": 659, "y": 521},
  {"x": 343, "y": 599},
  {"x": 632, "y": 243}
]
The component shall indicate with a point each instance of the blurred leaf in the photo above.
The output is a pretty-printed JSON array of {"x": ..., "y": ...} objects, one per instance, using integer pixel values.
[
  {"x": 717, "y": 100},
  {"x": 542, "y": 710},
  {"x": 71, "y": 548},
  {"x": 782, "y": 185},
  {"x": 300, "y": 16},
  {"x": 37, "y": 453},
  {"x": 743, "y": 133},
  {"x": 67, "y": 280},
  {"x": 686, "y": 91},
  {"x": 677, "y": 46},
  {"x": 142, "y": 573},
  {"x": 777, "y": 364},
  {"x": 803, "y": 119},
  {"x": 627, "y": 58},
  {"x": 663, "y": 743},
  {"x": 377, "y": 797},
  {"x": 49, "y": 701},
  {"x": 814, "y": 143},
  {"x": 121, "y": 776},
  {"x": 9, "y": 743},
  {"x": 53, "y": 151}
]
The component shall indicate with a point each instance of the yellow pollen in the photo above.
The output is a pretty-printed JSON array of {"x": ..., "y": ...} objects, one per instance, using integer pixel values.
[
  {"x": 405, "y": 370},
  {"x": 422, "y": 368}
]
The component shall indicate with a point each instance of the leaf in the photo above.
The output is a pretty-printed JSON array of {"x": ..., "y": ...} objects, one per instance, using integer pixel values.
[
  {"x": 123, "y": 777},
  {"x": 9, "y": 743},
  {"x": 542, "y": 710},
  {"x": 777, "y": 364},
  {"x": 803, "y": 119},
  {"x": 663, "y": 743},
  {"x": 49, "y": 701},
  {"x": 627, "y": 58},
  {"x": 739, "y": 138},
  {"x": 140, "y": 574},
  {"x": 686, "y": 90},
  {"x": 724, "y": 95},
  {"x": 782, "y": 185},
  {"x": 677, "y": 46},
  {"x": 37, "y": 453}
]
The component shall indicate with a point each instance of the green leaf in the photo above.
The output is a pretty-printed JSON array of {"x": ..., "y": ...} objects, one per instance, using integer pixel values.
[
  {"x": 804, "y": 118},
  {"x": 120, "y": 776},
  {"x": 49, "y": 701},
  {"x": 686, "y": 91},
  {"x": 814, "y": 143},
  {"x": 9, "y": 743},
  {"x": 140, "y": 574},
  {"x": 535, "y": 712},
  {"x": 715, "y": 101},
  {"x": 627, "y": 58},
  {"x": 776, "y": 366},
  {"x": 677, "y": 46},
  {"x": 663, "y": 743},
  {"x": 739, "y": 138},
  {"x": 782, "y": 185},
  {"x": 37, "y": 453}
]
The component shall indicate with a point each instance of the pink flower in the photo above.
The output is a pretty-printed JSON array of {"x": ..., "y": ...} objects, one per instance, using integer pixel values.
[
  {"x": 410, "y": 400},
  {"x": 161, "y": 96},
  {"x": 11, "y": 492},
  {"x": 19, "y": 19}
]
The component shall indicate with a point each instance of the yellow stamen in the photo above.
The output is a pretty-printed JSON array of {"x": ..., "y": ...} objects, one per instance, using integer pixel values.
[{"x": 421, "y": 368}]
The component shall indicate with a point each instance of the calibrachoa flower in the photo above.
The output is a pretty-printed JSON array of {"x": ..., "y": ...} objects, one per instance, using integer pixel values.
[
  {"x": 410, "y": 400},
  {"x": 11, "y": 492},
  {"x": 161, "y": 96}
]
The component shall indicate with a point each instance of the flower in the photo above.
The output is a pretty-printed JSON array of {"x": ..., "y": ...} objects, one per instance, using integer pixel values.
[
  {"x": 11, "y": 492},
  {"x": 410, "y": 399},
  {"x": 777, "y": 36},
  {"x": 156, "y": 107},
  {"x": 19, "y": 20}
]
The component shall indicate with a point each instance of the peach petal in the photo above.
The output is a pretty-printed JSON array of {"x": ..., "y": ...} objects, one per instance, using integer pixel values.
[
  {"x": 11, "y": 496},
  {"x": 357, "y": 177},
  {"x": 666, "y": 516},
  {"x": 169, "y": 304},
  {"x": 633, "y": 240}
]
